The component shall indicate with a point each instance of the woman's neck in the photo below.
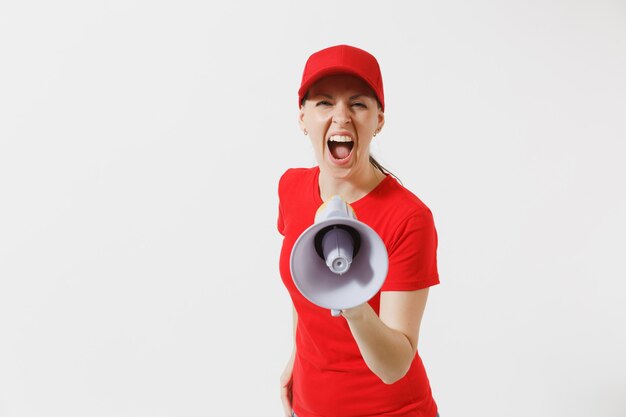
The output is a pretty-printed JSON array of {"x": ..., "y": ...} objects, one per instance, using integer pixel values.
[{"x": 352, "y": 188}]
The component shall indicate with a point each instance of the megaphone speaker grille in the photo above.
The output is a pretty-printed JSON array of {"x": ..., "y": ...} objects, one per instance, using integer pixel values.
[{"x": 319, "y": 236}]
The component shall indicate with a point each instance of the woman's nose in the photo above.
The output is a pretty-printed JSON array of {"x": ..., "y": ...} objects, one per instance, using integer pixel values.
[{"x": 341, "y": 114}]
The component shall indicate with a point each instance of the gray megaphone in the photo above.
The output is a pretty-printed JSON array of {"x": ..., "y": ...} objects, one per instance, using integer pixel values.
[{"x": 338, "y": 262}]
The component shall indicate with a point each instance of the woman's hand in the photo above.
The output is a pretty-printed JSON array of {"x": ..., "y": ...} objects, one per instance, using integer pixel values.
[
  {"x": 354, "y": 312},
  {"x": 286, "y": 379}
]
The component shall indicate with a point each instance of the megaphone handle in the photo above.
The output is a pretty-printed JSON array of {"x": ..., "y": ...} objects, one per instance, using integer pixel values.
[{"x": 335, "y": 313}]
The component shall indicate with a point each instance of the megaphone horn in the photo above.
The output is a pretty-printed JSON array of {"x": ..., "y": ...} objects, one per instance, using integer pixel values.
[{"x": 338, "y": 262}]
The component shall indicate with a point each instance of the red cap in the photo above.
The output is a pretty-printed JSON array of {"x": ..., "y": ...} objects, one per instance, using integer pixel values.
[{"x": 342, "y": 59}]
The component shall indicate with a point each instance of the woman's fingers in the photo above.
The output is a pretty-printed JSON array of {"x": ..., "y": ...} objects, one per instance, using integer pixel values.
[
  {"x": 286, "y": 383},
  {"x": 286, "y": 395}
]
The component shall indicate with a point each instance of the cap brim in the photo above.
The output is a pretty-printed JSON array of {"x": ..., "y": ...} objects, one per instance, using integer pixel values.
[{"x": 336, "y": 70}]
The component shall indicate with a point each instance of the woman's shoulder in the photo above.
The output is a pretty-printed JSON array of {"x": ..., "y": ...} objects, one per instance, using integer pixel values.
[
  {"x": 294, "y": 178},
  {"x": 295, "y": 173},
  {"x": 402, "y": 200}
]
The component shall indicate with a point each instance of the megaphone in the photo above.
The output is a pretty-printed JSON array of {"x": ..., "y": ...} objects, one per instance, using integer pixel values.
[{"x": 338, "y": 262}]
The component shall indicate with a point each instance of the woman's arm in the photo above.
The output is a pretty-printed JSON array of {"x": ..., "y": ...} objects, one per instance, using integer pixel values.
[
  {"x": 388, "y": 342},
  {"x": 286, "y": 377}
]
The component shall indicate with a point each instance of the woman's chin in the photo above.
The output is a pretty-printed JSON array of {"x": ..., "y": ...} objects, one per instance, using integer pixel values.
[{"x": 338, "y": 171}]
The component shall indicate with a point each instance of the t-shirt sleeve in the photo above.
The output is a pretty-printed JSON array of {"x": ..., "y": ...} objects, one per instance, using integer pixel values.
[
  {"x": 281, "y": 222},
  {"x": 413, "y": 254},
  {"x": 281, "y": 192}
]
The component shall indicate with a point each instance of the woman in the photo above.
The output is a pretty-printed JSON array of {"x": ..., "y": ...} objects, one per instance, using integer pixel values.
[{"x": 364, "y": 363}]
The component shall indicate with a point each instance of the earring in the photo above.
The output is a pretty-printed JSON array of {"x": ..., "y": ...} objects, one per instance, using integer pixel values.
[
  {"x": 376, "y": 132},
  {"x": 305, "y": 132}
]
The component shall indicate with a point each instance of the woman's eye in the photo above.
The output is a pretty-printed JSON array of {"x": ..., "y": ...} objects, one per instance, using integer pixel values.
[
  {"x": 323, "y": 103},
  {"x": 359, "y": 104}
]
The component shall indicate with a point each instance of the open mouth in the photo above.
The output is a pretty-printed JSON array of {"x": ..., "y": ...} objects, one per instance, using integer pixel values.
[{"x": 340, "y": 146}]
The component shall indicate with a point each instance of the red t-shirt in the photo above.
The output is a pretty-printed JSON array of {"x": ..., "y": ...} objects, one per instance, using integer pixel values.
[{"x": 330, "y": 377}]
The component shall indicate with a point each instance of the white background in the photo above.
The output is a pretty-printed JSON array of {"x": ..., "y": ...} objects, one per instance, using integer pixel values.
[{"x": 140, "y": 147}]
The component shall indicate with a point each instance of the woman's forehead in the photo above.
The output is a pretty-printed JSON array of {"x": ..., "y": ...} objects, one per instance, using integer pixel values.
[{"x": 341, "y": 83}]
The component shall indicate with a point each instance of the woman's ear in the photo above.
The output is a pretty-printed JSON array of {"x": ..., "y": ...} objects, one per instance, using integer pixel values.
[
  {"x": 301, "y": 118},
  {"x": 381, "y": 120}
]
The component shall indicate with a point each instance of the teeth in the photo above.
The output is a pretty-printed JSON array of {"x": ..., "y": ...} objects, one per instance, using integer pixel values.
[{"x": 339, "y": 138}]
